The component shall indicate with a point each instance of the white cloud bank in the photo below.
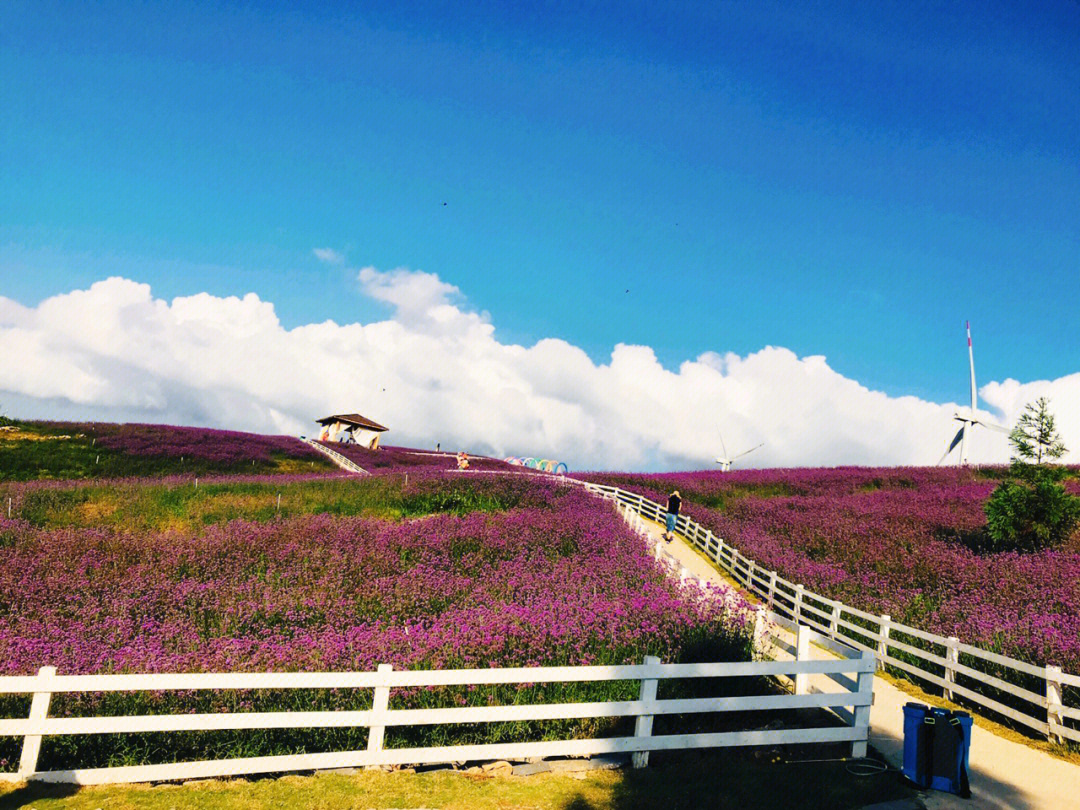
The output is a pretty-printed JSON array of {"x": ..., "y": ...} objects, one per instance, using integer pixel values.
[{"x": 435, "y": 372}]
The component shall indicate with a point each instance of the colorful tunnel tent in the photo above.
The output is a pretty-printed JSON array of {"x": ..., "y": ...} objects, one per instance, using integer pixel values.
[
  {"x": 351, "y": 428},
  {"x": 545, "y": 464}
]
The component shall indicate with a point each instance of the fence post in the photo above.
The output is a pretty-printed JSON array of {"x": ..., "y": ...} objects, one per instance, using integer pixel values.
[
  {"x": 772, "y": 590},
  {"x": 861, "y": 721},
  {"x": 750, "y": 576},
  {"x": 952, "y": 656},
  {"x": 761, "y": 628},
  {"x": 797, "y": 611},
  {"x": 643, "y": 727},
  {"x": 1053, "y": 704},
  {"x": 802, "y": 653},
  {"x": 719, "y": 551},
  {"x": 39, "y": 710},
  {"x": 885, "y": 623},
  {"x": 379, "y": 704},
  {"x": 834, "y": 622}
]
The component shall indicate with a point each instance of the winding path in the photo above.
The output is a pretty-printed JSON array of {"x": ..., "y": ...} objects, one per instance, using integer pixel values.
[{"x": 1004, "y": 775}]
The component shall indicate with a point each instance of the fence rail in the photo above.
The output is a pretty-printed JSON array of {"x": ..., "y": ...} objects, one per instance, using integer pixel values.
[
  {"x": 1043, "y": 713},
  {"x": 335, "y": 456},
  {"x": 853, "y": 671}
]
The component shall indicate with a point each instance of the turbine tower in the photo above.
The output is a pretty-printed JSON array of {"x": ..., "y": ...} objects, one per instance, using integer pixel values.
[{"x": 969, "y": 420}]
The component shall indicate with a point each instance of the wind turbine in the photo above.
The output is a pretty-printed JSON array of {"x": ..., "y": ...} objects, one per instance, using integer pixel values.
[
  {"x": 969, "y": 420},
  {"x": 724, "y": 461}
]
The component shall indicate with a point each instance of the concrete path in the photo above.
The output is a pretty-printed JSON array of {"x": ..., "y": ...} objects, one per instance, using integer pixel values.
[{"x": 1004, "y": 775}]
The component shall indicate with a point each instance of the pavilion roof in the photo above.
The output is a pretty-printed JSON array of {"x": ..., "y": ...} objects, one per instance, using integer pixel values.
[{"x": 352, "y": 419}]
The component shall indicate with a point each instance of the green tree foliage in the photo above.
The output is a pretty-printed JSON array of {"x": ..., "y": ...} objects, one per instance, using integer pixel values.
[
  {"x": 1035, "y": 436},
  {"x": 1031, "y": 510},
  {"x": 1030, "y": 513}
]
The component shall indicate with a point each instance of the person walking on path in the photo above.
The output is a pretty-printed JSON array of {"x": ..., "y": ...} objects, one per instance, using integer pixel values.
[{"x": 673, "y": 504}]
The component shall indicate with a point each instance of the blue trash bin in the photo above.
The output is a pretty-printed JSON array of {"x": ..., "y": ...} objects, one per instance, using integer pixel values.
[
  {"x": 936, "y": 747},
  {"x": 916, "y": 765},
  {"x": 951, "y": 745}
]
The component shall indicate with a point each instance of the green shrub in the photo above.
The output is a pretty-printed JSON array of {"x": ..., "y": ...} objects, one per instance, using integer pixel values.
[{"x": 1031, "y": 511}]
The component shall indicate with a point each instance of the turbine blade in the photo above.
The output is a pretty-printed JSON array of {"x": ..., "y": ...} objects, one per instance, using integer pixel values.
[
  {"x": 992, "y": 426},
  {"x": 751, "y": 450},
  {"x": 724, "y": 449},
  {"x": 959, "y": 437},
  {"x": 952, "y": 445}
]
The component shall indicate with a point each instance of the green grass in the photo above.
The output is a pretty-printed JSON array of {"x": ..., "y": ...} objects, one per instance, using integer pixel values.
[
  {"x": 717, "y": 779},
  {"x": 154, "y": 506}
]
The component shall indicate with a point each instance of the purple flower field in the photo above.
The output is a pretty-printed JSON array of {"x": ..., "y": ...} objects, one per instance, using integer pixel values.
[
  {"x": 70, "y": 450},
  {"x": 406, "y": 459},
  {"x": 560, "y": 580},
  {"x": 567, "y": 584},
  {"x": 222, "y": 447},
  {"x": 892, "y": 541}
]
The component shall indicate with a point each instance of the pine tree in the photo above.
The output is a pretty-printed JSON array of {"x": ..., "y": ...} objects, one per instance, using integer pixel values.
[
  {"x": 1032, "y": 511},
  {"x": 1035, "y": 436}
]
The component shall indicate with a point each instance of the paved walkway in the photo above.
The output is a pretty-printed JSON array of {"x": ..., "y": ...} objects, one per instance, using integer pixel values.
[{"x": 1004, "y": 775}]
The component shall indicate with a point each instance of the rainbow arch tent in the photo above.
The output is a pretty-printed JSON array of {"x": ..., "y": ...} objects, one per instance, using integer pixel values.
[{"x": 544, "y": 464}]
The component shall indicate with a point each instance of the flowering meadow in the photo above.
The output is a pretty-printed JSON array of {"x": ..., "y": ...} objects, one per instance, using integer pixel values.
[
  {"x": 406, "y": 459},
  {"x": 67, "y": 450},
  {"x": 500, "y": 571},
  {"x": 176, "y": 503},
  {"x": 896, "y": 541}
]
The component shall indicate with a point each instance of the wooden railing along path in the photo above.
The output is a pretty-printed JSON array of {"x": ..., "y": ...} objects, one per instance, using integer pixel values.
[
  {"x": 943, "y": 665},
  {"x": 853, "y": 672},
  {"x": 335, "y": 456}
]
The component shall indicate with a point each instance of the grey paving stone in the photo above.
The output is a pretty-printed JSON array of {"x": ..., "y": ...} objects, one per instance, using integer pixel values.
[
  {"x": 529, "y": 768},
  {"x": 599, "y": 762}
]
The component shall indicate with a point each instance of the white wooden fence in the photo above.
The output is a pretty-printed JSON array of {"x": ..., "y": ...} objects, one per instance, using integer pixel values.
[
  {"x": 853, "y": 673},
  {"x": 335, "y": 456},
  {"x": 1044, "y": 713}
]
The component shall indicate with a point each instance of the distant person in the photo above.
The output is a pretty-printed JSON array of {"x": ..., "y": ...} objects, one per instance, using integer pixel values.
[
  {"x": 437, "y": 447},
  {"x": 463, "y": 460},
  {"x": 673, "y": 504}
]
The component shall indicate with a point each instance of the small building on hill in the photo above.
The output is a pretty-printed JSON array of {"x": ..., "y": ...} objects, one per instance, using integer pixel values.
[{"x": 351, "y": 428}]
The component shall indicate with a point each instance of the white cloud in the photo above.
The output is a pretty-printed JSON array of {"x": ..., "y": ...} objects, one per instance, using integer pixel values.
[
  {"x": 328, "y": 255},
  {"x": 418, "y": 298},
  {"x": 434, "y": 371}
]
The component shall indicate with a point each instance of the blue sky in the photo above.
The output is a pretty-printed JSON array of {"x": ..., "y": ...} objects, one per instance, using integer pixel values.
[{"x": 846, "y": 179}]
